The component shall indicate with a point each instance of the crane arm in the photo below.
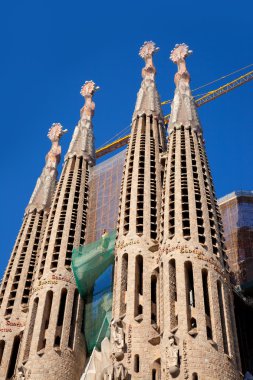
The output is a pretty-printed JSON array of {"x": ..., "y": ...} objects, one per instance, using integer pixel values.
[{"x": 211, "y": 95}]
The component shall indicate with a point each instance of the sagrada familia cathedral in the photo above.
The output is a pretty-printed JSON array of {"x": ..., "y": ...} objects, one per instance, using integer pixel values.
[{"x": 173, "y": 313}]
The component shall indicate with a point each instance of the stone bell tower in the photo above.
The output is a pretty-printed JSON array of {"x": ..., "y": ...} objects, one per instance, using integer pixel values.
[
  {"x": 136, "y": 316},
  {"x": 198, "y": 333},
  {"x": 53, "y": 345},
  {"x": 17, "y": 281}
]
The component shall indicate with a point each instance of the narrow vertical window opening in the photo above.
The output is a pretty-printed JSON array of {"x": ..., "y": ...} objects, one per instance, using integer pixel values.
[
  {"x": 31, "y": 329},
  {"x": 62, "y": 307},
  {"x": 154, "y": 299},
  {"x": 173, "y": 294},
  {"x": 222, "y": 318},
  {"x": 124, "y": 276},
  {"x": 136, "y": 363},
  {"x": 13, "y": 358},
  {"x": 45, "y": 320},
  {"x": 207, "y": 304},
  {"x": 138, "y": 284},
  {"x": 73, "y": 321},
  {"x": 2, "y": 345}
]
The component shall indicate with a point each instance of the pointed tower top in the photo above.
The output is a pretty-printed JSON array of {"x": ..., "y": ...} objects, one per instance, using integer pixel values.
[
  {"x": 148, "y": 100},
  {"x": 87, "y": 91},
  {"x": 43, "y": 192},
  {"x": 55, "y": 132},
  {"x": 146, "y": 52},
  {"x": 183, "y": 110},
  {"x": 82, "y": 143}
]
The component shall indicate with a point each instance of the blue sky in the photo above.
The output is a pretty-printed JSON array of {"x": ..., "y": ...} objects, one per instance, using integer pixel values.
[{"x": 50, "y": 48}]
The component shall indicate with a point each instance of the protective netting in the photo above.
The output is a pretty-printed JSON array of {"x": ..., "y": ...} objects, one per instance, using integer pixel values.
[
  {"x": 104, "y": 193},
  {"x": 92, "y": 266}
]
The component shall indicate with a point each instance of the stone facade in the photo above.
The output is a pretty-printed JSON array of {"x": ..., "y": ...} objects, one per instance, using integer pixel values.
[
  {"x": 173, "y": 313},
  {"x": 18, "y": 278},
  {"x": 172, "y": 291}
]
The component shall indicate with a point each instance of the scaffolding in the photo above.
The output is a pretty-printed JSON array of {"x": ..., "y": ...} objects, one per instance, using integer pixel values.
[
  {"x": 237, "y": 215},
  {"x": 105, "y": 184}
]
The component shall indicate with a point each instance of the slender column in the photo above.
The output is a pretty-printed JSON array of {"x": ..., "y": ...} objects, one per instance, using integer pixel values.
[
  {"x": 138, "y": 234},
  {"x": 192, "y": 240},
  {"x": 16, "y": 286},
  {"x": 57, "y": 341}
]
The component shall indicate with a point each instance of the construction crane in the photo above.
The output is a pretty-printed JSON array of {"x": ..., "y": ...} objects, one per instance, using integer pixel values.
[{"x": 208, "y": 97}]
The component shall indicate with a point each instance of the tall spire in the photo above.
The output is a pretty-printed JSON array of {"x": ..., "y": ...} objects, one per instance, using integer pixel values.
[
  {"x": 82, "y": 143},
  {"x": 148, "y": 100},
  {"x": 183, "y": 111},
  {"x": 45, "y": 186},
  {"x": 196, "y": 304}
]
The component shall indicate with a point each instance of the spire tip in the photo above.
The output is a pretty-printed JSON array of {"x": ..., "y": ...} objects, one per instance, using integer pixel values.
[
  {"x": 180, "y": 52},
  {"x": 89, "y": 88},
  {"x": 148, "y": 49},
  {"x": 56, "y": 131}
]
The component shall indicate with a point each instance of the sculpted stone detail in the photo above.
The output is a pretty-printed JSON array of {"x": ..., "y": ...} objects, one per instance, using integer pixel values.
[
  {"x": 129, "y": 344},
  {"x": 172, "y": 356},
  {"x": 82, "y": 143},
  {"x": 148, "y": 100},
  {"x": 117, "y": 338},
  {"x": 116, "y": 372},
  {"x": 43, "y": 192},
  {"x": 23, "y": 373},
  {"x": 183, "y": 111},
  {"x": 185, "y": 363}
]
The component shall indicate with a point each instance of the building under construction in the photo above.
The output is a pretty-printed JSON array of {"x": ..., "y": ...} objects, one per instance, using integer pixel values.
[{"x": 120, "y": 269}]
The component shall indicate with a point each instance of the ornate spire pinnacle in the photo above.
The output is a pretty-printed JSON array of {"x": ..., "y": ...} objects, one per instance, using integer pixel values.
[
  {"x": 146, "y": 52},
  {"x": 183, "y": 111},
  {"x": 82, "y": 143},
  {"x": 43, "y": 192},
  {"x": 148, "y": 100}
]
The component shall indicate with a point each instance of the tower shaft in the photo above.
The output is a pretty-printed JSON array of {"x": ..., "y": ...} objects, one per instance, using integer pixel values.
[
  {"x": 17, "y": 281},
  {"x": 198, "y": 327},
  {"x": 136, "y": 282},
  {"x": 53, "y": 338}
]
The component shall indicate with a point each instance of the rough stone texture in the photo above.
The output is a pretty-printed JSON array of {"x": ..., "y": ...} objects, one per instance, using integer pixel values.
[
  {"x": 138, "y": 231},
  {"x": 173, "y": 314},
  {"x": 180, "y": 322},
  {"x": 53, "y": 342},
  {"x": 17, "y": 281}
]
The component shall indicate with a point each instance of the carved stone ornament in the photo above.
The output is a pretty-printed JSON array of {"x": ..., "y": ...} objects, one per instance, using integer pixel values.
[
  {"x": 87, "y": 91},
  {"x": 117, "y": 338},
  {"x": 45, "y": 186},
  {"x": 183, "y": 110},
  {"x": 116, "y": 372},
  {"x": 82, "y": 143},
  {"x": 148, "y": 101},
  {"x": 23, "y": 374},
  {"x": 172, "y": 357}
]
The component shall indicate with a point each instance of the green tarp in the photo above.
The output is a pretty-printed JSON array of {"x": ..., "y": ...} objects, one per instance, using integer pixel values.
[{"x": 92, "y": 265}]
